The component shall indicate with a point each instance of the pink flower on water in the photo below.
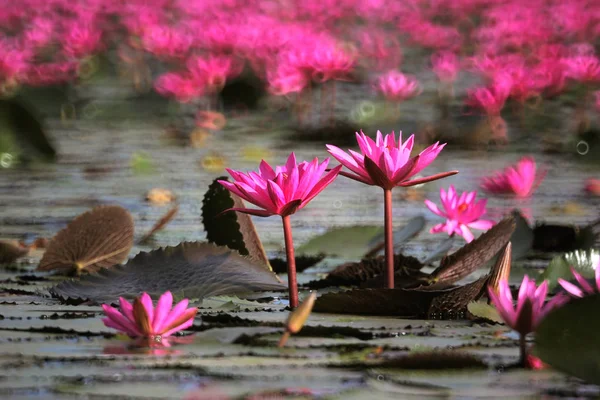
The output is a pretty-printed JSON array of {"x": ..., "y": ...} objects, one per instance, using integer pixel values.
[
  {"x": 592, "y": 186},
  {"x": 81, "y": 39},
  {"x": 396, "y": 86},
  {"x": 583, "y": 68},
  {"x": 282, "y": 191},
  {"x": 330, "y": 61},
  {"x": 385, "y": 163},
  {"x": 142, "y": 319},
  {"x": 461, "y": 213},
  {"x": 213, "y": 71},
  {"x": 490, "y": 99},
  {"x": 445, "y": 65},
  {"x": 521, "y": 179},
  {"x": 530, "y": 309},
  {"x": 286, "y": 79},
  {"x": 584, "y": 288},
  {"x": 182, "y": 88}
]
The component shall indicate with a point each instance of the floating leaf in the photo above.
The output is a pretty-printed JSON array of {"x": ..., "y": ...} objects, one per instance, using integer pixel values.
[
  {"x": 349, "y": 243},
  {"x": 192, "y": 269},
  {"x": 279, "y": 265},
  {"x": 99, "y": 238},
  {"x": 440, "y": 251},
  {"x": 452, "y": 304},
  {"x": 563, "y": 238},
  {"x": 473, "y": 255},
  {"x": 584, "y": 262},
  {"x": 160, "y": 196},
  {"x": 482, "y": 309},
  {"x": 411, "y": 229},
  {"x": 434, "y": 360},
  {"x": 232, "y": 229},
  {"x": 9, "y": 252},
  {"x": 141, "y": 163},
  {"x": 370, "y": 272},
  {"x": 568, "y": 340},
  {"x": 165, "y": 219}
]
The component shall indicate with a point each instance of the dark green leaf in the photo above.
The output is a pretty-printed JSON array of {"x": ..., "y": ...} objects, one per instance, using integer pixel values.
[{"x": 584, "y": 262}]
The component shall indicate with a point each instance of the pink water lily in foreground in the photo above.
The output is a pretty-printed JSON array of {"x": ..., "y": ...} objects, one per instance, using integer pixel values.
[
  {"x": 387, "y": 164},
  {"x": 530, "y": 309},
  {"x": 520, "y": 179},
  {"x": 282, "y": 191},
  {"x": 141, "y": 319},
  {"x": 461, "y": 213},
  {"x": 584, "y": 288}
]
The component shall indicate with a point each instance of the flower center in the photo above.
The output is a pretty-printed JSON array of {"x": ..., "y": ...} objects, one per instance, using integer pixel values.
[{"x": 462, "y": 207}]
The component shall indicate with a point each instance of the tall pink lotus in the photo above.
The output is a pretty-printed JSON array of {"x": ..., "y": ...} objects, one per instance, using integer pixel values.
[
  {"x": 143, "y": 320},
  {"x": 397, "y": 87},
  {"x": 282, "y": 191},
  {"x": 445, "y": 65},
  {"x": 387, "y": 164},
  {"x": 521, "y": 179},
  {"x": 530, "y": 309},
  {"x": 462, "y": 213},
  {"x": 584, "y": 288}
]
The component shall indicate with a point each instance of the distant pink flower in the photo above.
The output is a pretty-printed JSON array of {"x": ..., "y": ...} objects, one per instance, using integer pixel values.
[
  {"x": 282, "y": 191},
  {"x": 584, "y": 68},
  {"x": 490, "y": 99},
  {"x": 166, "y": 42},
  {"x": 584, "y": 287},
  {"x": 446, "y": 66},
  {"x": 81, "y": 39},
  {"x": 385, "y": 163},
  {"x": 530, "y": 308},
  {"x": 592, "y": 186},
  {"x": 13, "y": 62},
  {"x": 331, "y": 62},
  {"x": 461, "y": 213},
  {"x": 520, "y": 179},
  {"x": 285, "y": 80},
  {"x": 142, "y": 319},
  {"x": 213, "y": 71},
  {"x": 182, "y": 88},
  {"x": 396, "y": 86},
  {"x": 40, "y": 33},
  {"x": 51, "y": 73}
]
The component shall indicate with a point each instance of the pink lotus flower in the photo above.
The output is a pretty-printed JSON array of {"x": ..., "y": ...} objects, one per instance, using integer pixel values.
[
  {"x": 142, "y": 319},
  {"x": 490, "y": 99},
  {"x": 592, "y": 186},
  {"x": 282, "y": 191},
  {"x": 445, "y": 65},
  {"x": 521, "y": 179},
  {"x": 461, "y": 213},
  {"x": 387, "y": 164},
  {"x": 213, "y": 71},
  {"x": 583, "y": 68},
  {"x": 182, "y": 88},
  {"x": 81, "y": 40},
  {"x": 530, "y": 309},
  {"x": 584, "y": 287},
  {"x": 396, "y": 86}
]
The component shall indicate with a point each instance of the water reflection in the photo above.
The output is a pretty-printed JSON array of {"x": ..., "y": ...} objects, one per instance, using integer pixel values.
[{"x": 150, "y": 346}]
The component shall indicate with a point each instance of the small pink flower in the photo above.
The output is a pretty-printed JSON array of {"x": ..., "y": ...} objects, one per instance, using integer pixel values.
[
  {"x": 461, "y": 213},
  {"x": 396, "y": 86},
  {"x": 81, "y": 39},
  {"x": 583, "y": 68},
  {"x": 490, "y": 99},
  {"x": 183, "y": 88},
  {"x": 213, "y": 71},
  {"x": 282, "y": 191},
  {"x": 385, "y": 163},
  {"x": 142, "y": 319},
  {"x": 521, "y": 179},
  {"x": 531, "y": 307},
  {"x": 445, "y": 65},
  {"x": 286, "y": 79},
  {"x": 331, "y": 62},
  {"x": 584, "y": 287},
  {"x": 592, "y": 186}
]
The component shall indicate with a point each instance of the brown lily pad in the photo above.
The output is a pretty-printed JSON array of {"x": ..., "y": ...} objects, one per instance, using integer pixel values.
[
  {"x": 370, "y": 272},
  {"x": 303, "y": 262},
  {"x": 10, "y": 252},
  {"x": 232, "y": 229},
  {"x": 165, "y": 219},
  {"x": 99, "y": 238},
  {"x": 565, "y": 238},
  {"x": 434, "y": 360},
  {"x": 192, "y": 269}
]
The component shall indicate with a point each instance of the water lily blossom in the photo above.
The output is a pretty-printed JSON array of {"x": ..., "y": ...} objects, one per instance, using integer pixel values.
[
  {"x": 282, "y": 192},
  {"x": 530, "y": 309},
  {"x": 461, "y": 213},
  {"x": 584, "y": 288},
  {"x": 387, "y": 164},
  {"x": 141, "y": 319},
  {"x": 520, "y": 179}
]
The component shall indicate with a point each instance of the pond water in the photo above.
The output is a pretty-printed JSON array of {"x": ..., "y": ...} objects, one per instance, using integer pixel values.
[{"x": 72, "y": 354}]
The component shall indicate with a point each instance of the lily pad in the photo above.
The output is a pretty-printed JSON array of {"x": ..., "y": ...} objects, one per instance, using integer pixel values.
[
  {"x": 232, "y": 229},
  {"x": 192, "y": 269},
  {"x": 410, "y": 230},
  {"x": 567, "y": 339},
  {"x": 483, "y": 310},
  {"x": 582, "y": 261},
  {"x": 349, "y": 243},
  {"x": 563, "y": 238}
]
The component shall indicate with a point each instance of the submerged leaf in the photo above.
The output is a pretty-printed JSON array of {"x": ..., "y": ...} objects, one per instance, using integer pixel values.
[
  {"x": 440, "y": 251},
  {"x": 481, "y": 309},
  {"x": 567, "y": 339},
  {"x": 279, "y": 265},
  {"x": 436, "y": 360},
  {"x": 473, "y": 255},
  {"x": 9, "y": 252},
  {"x": 194, "y": 270},
  {"x": 582, "y": 261},
  {"x": 349, "y": 243},
  {"x": 99, "y": 238},
  {"x": 413, "y": 228},
  {"x": 370, "y": 272},
  {"x": 165, "y": 219},
  {"x": 232, "y": 229}
]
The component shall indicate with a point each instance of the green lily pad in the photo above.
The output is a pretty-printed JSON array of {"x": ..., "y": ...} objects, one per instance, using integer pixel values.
[
  {"x": 567, "y": 339},
  {"x": 560, "y": 267},
  {"x": 348, "y": 242}
]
